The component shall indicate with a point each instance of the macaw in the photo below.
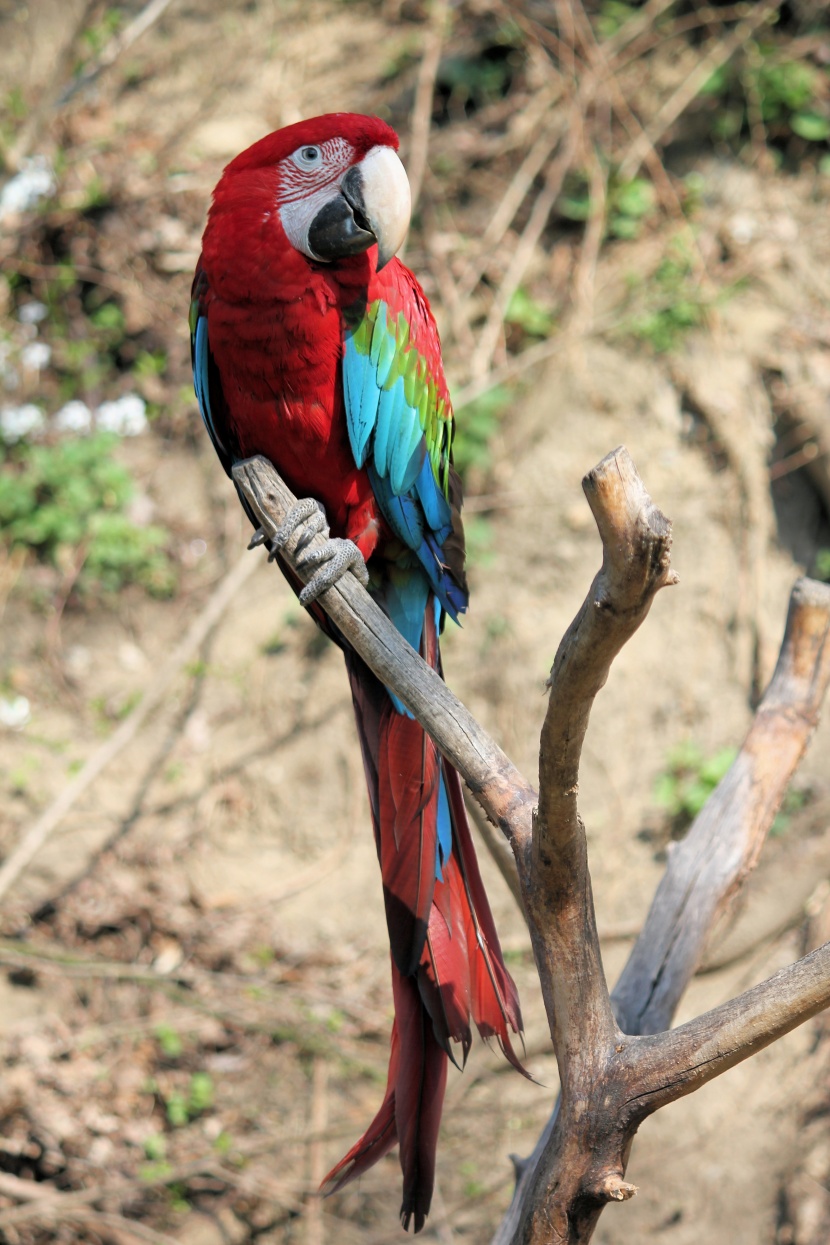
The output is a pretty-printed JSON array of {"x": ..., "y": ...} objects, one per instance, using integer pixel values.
[{"x": 313, "y": 345}]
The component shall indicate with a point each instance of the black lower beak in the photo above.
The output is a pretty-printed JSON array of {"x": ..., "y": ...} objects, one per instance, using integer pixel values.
[{"x": 340, "y": 229}]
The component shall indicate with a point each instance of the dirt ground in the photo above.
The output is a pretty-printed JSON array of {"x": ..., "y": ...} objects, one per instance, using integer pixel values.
[{"x": 194, "y": 1003}]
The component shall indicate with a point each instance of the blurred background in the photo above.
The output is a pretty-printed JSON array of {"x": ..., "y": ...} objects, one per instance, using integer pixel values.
[{"x": 621, "y": 223}]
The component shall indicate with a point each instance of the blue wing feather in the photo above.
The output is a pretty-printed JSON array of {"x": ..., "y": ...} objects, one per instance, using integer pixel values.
[{"x": 387, "y": 437}]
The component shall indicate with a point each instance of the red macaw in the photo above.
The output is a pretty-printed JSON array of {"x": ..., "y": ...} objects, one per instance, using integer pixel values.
[{"x": 314, "y": 346}]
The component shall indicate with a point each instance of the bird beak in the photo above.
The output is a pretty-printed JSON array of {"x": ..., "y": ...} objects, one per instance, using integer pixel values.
[
  {"x": 373, "y": 205},
  {"x": 383, "y": 197}
]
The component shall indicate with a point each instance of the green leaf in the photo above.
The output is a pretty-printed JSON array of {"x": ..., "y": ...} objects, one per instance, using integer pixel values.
[
  {"x": 634, "y": 198},
  {"x": 201, "y": 1092},
  {"x": 810, "y": 125},
  {"x": 524, "y": 311}
]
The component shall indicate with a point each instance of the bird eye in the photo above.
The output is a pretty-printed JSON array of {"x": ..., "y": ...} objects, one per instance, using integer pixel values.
[{"x": 307, "y": 157}]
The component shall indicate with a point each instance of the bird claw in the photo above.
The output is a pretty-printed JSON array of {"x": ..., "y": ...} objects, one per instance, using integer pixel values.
[
  {"x": 307, "y": 519},
  {"x": 258, "y": 538},
  {"x": 307, "y": 514},
  {"x": 336, "y": 556}
]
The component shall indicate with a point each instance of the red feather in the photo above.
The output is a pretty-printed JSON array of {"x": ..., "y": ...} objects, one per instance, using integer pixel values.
[
  {"x": 380, "y": 1136},
  {"x": 444, "y": 973},
  {"x": 407, "y": 791},
  {"x": 419, "y": 1098}
]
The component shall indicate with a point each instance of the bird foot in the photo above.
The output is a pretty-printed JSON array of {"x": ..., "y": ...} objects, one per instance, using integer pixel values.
[{"x": 334, "y": 558}]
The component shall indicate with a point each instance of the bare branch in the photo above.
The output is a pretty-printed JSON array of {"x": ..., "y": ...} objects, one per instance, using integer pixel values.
[
  {"x": 636, "y": 541},
  {"x": 504, "y": 794},
  {"x": 706, "y": 870},
  {"x": 673, "y": 1064},
  {"x": 610, "y": 1081},
  {"x": 422, "y": 110}
]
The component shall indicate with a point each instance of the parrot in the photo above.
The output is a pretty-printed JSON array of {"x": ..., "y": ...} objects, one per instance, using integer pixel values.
[{"x": 313, "y": 345}]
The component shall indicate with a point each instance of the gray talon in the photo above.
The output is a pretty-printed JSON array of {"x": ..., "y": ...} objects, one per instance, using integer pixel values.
[
  {"x": 334, "y": 559},
  {"x": 307, "y": 519},
  {"x": 258, "y": 538},
  {"x": 305, "y": 513}
]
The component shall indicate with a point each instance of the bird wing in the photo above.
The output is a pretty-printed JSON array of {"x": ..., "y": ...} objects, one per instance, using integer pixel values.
[
  {"x": 400, "y": 426},
  {"x": 206, "y": 381}
]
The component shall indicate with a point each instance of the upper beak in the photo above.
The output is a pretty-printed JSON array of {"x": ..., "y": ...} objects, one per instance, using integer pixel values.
[{"x": 374, "y": 205}]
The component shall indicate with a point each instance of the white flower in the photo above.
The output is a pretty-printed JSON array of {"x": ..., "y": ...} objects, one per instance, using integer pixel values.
[
  {"x": 74, "y": 417},
  {"x": 14, "y": 713},
  {"x": 34, "y": 181},
  {"x": 32, "y": 313},
  {"x": 125, "y": 416},
  {"x": 36, "y": 356},
  {"x": 17, "y": 422}
]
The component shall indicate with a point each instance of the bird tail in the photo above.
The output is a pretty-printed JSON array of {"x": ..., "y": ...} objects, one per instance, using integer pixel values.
[{"x": 447, "y": 965}]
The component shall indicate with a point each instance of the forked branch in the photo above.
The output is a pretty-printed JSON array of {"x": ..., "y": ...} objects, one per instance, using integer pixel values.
[{"x": 610, "y": 1080}]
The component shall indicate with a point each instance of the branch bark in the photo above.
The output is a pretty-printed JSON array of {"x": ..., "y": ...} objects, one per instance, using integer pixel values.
[
  {"x": 707, "y": 869},
  {"x": 505, "y": 795},
  {"x": 610, "y": 1080}
]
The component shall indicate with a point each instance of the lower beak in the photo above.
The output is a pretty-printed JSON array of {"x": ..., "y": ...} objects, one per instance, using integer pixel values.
[{"x": 338, "y": 231}]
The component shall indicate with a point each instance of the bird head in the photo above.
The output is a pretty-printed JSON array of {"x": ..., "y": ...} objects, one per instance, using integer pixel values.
[{"x": 335, "y": 183}]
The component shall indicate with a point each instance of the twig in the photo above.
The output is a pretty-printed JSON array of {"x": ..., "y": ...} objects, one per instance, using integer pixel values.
[
  {"x": 586, "y": 273},
  {"x": 679, "y": 100},
  {"x": 635, "y": 26},
  {"x": 533, "y": 230},
  {"x": 499, "y": 851},
  {"x": 35, "y": 837},
  {"x": 682, "y": 1060},
  {"x": 513, "y": 198},
  {"x": 422, "y": 110},
  {"x": 11, "y": 567},
  {"x": 121, "y": 42}
]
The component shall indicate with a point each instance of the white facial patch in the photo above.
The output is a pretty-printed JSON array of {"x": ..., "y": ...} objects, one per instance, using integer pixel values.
[
  {"x": 297, "y": 218},
  {"x": 307, "y": 184}
]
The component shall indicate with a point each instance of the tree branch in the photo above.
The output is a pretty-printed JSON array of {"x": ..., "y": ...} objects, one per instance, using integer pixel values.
[
  {"x": 706, "y": 870},
  {"x": 610, "y": 1081},
  {"x": 671, "y": 1065},
  {"x": 504, "y": 794},
  {"x": 636, "y": 542}
]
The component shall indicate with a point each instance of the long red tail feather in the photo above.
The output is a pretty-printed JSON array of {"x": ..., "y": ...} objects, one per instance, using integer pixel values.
[{"x": 447, "y": 964}]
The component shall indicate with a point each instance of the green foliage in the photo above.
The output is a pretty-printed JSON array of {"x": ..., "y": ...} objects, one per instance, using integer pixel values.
[
  {"x": 612, "y": 15},
  {"x": 83, "y": 363},
  {"x": 72, "y": 495},
  {"x": 181, "y": 1108},
  {"x": 170, "y": 1042},
  {"x": 628, "y": 203},
  {"x": 476, "y": 425},
  {"x": 478, "y": 535},
  {"x": 821, "y": 566},
  {"x": 792, "y": 97},
  {"x": 688, "y": 780},
  {"x": 794, "y": 800},
  {"x": 150, "y": 363},
  {"x": 155, "y": 1147},
  {"x": 670, "y": 303},
  {"x": 472, "y": 81},
  {"x": 527, "y": 314},
  {"x": 97, "y": 36}
]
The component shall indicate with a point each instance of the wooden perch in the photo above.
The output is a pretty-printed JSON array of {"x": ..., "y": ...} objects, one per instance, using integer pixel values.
[{"x": 611, "y": 1080}]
